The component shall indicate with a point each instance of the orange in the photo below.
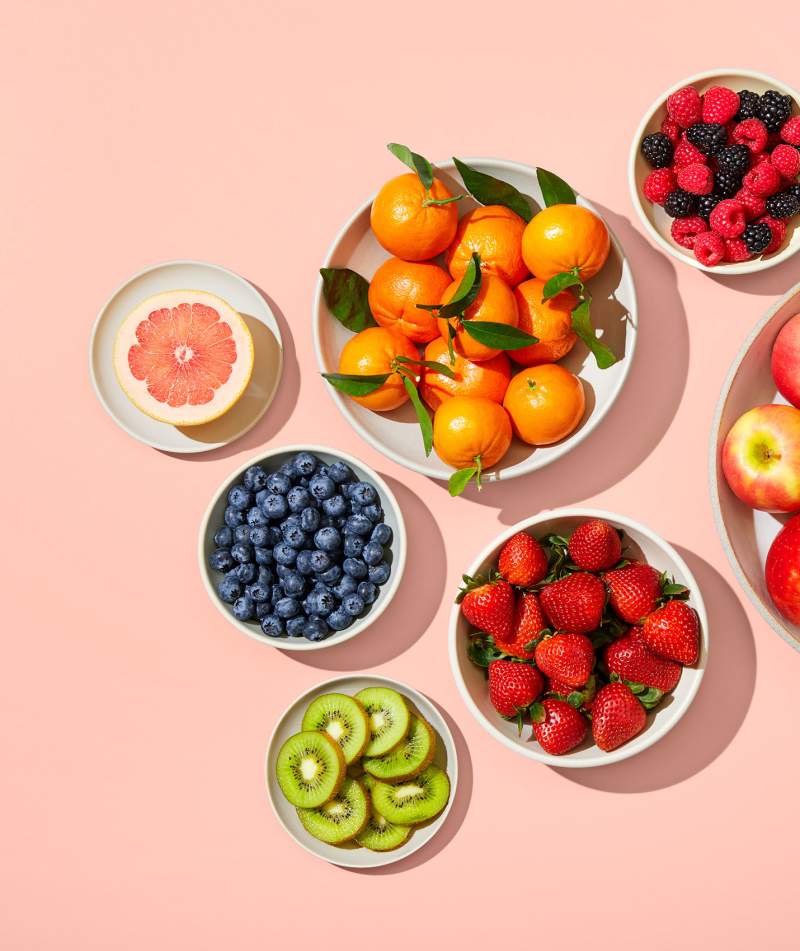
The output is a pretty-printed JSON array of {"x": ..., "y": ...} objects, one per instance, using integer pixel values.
[
  {"x": 495, "y": 303},
  {"x": 545, "y": 403},
  {"x": 372, "y": 351},
  {"x": 408, "y": 228},
  {"x": 562, "y": 237},
  {"x": 550, "y": 321},
  {"x": 471, "y": 428},
  {"x": 495, "y": 232},
  {"x": 489, "y": 378},
  {"x": 396, "y": 289}
]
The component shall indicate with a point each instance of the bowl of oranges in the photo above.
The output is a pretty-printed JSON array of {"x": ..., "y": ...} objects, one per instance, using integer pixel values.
[{"x": 474, "y": 321}]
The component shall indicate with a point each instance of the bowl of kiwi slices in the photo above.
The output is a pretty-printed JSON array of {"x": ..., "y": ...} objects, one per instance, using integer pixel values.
[{"x": 361, "y": 771}]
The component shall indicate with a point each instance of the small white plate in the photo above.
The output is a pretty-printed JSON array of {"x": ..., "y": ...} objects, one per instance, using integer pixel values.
[
  {"x": 243, "y": 297},
  {"x": 351, "y": 856}
]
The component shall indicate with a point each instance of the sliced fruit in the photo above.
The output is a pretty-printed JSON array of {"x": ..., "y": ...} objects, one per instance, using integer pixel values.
[
  {"x": 183, "y": 357},
  {"x": 411, "y": 757},
  {"x": 389, "y": 719},
  {"x": 342, "y": 818},
  {"x": 310, "y": 769},
  {"x": 416, "y": 800},
  {"x": 343, "y": 719},
  {"x": 380, "y": 835}
]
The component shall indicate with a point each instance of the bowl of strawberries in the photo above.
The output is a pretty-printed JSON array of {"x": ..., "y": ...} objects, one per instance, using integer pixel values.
[{"x": 579, "y": 637}]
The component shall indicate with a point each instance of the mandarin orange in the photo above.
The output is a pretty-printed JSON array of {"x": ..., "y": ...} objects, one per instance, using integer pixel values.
[
  {"x": 546, "y": 403},
  {"x": 562, "y": 237},
  {"x": 550, "y": 321},
  {"x": 488, "y": 378},
  {"x": 495, "y": 233},
  {"x": 396, "y": 289},
  {"x": 408, "y": 228},
  {"x": 467, "y": 429},
  {"x": 495, "y": 303},
  {"x": 372, "y": 352}
]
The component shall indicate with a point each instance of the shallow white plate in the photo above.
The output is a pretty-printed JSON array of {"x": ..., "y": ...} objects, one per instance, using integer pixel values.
[
  {"x": 243, "y": 297},
  {"x": 351, "y": 856},
  {"x": 641, "y": 543},
  {"x": 746, "y": 534},
  {"x": 397, "y": 434}
]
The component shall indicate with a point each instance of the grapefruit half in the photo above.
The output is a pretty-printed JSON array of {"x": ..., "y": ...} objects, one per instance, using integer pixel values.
[{"x": 183, "y": 357}]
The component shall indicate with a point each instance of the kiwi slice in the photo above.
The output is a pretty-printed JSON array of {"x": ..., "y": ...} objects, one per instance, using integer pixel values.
[
  {"x": 380, "y": 835},
  {"x": 343, "y": 719},
  {"x": 367, "y": 782},
  {"x": 389, "y": 719},
  {"x": 310, "y": 769},
  {"x": 415, "y": 800},
  {"x": 411, "y": 757},
  {"x": 342, "y": 818}
]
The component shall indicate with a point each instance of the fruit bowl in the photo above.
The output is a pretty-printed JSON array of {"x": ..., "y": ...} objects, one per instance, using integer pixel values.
[
  {"x": 747, "y": 534},
  {"x": 640, "y": 542},
  {"x": 655, "y": 220},
  {"x": 347, "y": 855},
  {"x": 396, "y": 434},
  {"x": 271, "y": 460}
]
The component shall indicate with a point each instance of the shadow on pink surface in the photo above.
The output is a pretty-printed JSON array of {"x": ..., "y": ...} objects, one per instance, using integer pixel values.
[
  {"x": 719, "y": 708},
  {"x": 771, "y": 283}
]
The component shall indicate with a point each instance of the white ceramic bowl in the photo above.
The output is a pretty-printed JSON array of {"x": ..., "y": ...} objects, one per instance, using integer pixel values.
[
  {"x": 746, "y": 534},
  {"x": 351, "y": 856},
  {"x": 397, "y": 434},
  {"x": 656, "y": 221},
  {"x": 271, "y": 460},
  {"x": 471, "y": 680}
]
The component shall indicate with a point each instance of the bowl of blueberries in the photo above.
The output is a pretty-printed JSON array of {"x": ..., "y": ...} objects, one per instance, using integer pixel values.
[{"x": 302, "y": 547}]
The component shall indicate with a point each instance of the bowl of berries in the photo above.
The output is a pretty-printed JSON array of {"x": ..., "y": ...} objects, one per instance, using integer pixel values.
[
  {"x": 579, "y": 638},
  {"x": 713, "y": 171},
  {"x": 302, "y": 547}
]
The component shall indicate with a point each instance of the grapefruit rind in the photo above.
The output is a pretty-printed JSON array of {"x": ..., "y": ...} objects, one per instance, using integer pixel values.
[{"x": 225, "y": 395}]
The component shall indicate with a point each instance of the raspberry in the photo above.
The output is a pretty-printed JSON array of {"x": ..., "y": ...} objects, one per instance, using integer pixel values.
[
  {"x": 735, "y": 250},
  {"x": 720, "y": 104},
  {"x": 778, "y": 229},
  {"x": 709, "y": 137},
  {"x": 687, "y": 154},
  {"x": 706, "y": 204},
  {"x": 680, "y": 204},
  {"x": 763, "y": 180},
  {"x": 754, "y": 205},
  {"x": 709, "y": 248},
  {"x": 658, "y": 184},
  {"x": 790, "y": 131},
  {"x": 752, "y": 133},
  {"x": 685, "y": 106},
  {"x": 657, "y": 149},
  {"x": 726, "y": 184},
  {"x": 697, "y": 178},
  {"x": 774, "y": 109},
  {"x": 727, "y": 219},
  {"x": 757, "y": 237},
  {"x": 748, "y": 104},
  {"x": 786, "y": 159},
  {"x": 783, "y": 205},
  {"x": 671, "y": 129},
  {"x": 685, "y": 230},
  {"x": 734, "y": 158}
]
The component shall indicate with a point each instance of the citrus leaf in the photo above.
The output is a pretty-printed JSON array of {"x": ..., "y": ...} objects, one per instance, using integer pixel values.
[
  {"x": 489, "y": 190},
  {"x": 582, "y": 325},
  {"x": 498, "y": 336},
  {"x": 560, "y": 282},
  {"x": 555, "y": 191},
  {"x": 417, "y": 163},
  {"x": 442, "y": 368},
  {"x": 465, "y": 294},
  {"x": 355, "y": 385},
  {"x": 422, "y": 415},
  {"x": 460, "y": 479},
  {"x": 345, "y": 293}
]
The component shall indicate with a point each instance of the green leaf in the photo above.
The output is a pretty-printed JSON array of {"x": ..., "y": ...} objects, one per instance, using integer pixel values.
[
  {"x": 575, "y": 699},
  {"x": 498, "y": 336},
  {"x": 650, "y": 698},
  {"x": 417, "y": 163},
  {"x": 538, "y": 712},
  {"x": 560, "y": 282},
  {"x": 345, "y": 293},
  {"x": 465, "y": 294},
  {"x": 460, "y": 479},
  {"x": 422, "y": 414},
  {"x": 442, "y": 368},
  {"x": 582, "y": 325},
  {"x": 489, "y": 190},
  {"x": 355, "y": 385},
  {"x": 555, "y": 191}
]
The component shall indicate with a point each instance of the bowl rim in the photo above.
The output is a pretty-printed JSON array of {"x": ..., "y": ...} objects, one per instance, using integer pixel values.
[
  {"x": 742, "y": 267},
  {"x": 714, "y": 469},
  {"x": 655, "y": 732},
  {"x": 325, "y": 686},
  {"x": 423, "y": 468},
  {"x": 390, "y": 589}
]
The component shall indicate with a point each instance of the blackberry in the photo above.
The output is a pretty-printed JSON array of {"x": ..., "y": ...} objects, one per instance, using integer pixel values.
[
  {"x": 706, "y": 204},
  {"x": 774, "y": 109},
  {"x": 748, "y": 105},
  {"x": 734, "y": 158},
  {"x": 657, "y": 149},
  {"x": 757, "y": 237},
  {"x": 794, "y": 190},
  {"x": 680, "y": 204},
  {"x": 783, "y": 205},
  {"x": 709, "y": 137},
  {"x": 726, "y": 184}
]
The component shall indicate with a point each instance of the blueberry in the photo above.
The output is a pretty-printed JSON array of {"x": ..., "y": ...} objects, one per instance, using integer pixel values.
[
  {"x": 320, "y": 561},
  {"x": 293, "y": 583},
  {"x": 310, "y": 519},
  {"x": 263, "y": 556},
  {"x": 339, "y": 522},
  {"x": 221, "y": 560},
  {"x": 335, "y": 505},
  {"x": 266, "y": 576},
  {"x": 347, "y": 585},
  {"x": 367, "y": 591},
  {"x": 246, "y": 572},
  {"x": 240, "y": 497},
  {"x": 299, "y": 498},
  {"x": 255, "y": 478},
  {"x": 273, "y": 626},
  {"x": 358, "y": 525},
  {"x": 287, "y": 607},
  {"x": 263, "y": 608},
  {"x": 293, "y": 535},
  {"x": 259, "y": 536},
  {"x": 284, "y": 554},
  {"x": 364, "y": 493},
  {"x": 295, "y": 627},
  {"x": 276, "y": 593},
  {"x": 229, "y": 589},
  {"x": 244, "y": 608},
  {"x": 224, "y": 537},
  {"x": 353, "y": 546},
  {"x": 326, "y": 521},
  {"x": 353, "y": 604},
  {"x": 379, "y": 574},
  {"x": 258, "y": 592},
  {"x": 233, "y": 517},
  {"x": 256, "y": 518},
  {"x": 305, "y": 464},
  {"x": 274, "y": 535},
  {"x": 279, "y": 483},
  {"x": 373, "y": 553},
  {"x": 340, "y": 472},
  {"x": 303, "y": 564},
  {"x": 355, "y": 567},
  {"x": 261, "y": 495},
  {"x": 332, "y": 575},
  {"x": 322, "y": 487},
  {"x": 339, "y": 619},
  {"x": 381, "y": 534},
  {"x": 287, "y": 469},
  {"x": 321, "y": 603},
  {"x": 316, "y": 629},
  {"x": 328, "y": 539},
  {"x": 242, "y": 552},
  {"x": 373, "y": 512},
  {"x": 304, "y": 481},
  {"x": 275, "y": 507},
  {"x": 241, "y": 533}
]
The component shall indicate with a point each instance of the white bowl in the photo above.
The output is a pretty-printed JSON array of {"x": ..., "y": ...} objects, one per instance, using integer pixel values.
[
  {"x": 471, "y": 680},
  {"x": 397, "y": 434},
  {"x": 656, "y": 221},
  {"x": 272, "y": 460},
  {"x": 746, "y": 534},
  {"x": 353, "y": 856}
]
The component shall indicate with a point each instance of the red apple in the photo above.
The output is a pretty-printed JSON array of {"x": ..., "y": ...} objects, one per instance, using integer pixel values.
[
  {"x": 786, "y": 360},
  {"x": 761, "y": 458},
  {"x": 782, "y": 570}
]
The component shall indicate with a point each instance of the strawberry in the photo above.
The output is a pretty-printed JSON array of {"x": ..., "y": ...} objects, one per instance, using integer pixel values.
[
  {"x": 617, "y": 716},
  {"x": 489, "y": 607},
  {"x": 522, "y": 560},
  {"x": 633, "y": 591},
  {"x": 574, "y": 603},
  {"x": 557, "y": 726},
  {"x": 673, "y": 631},
  {"x": 568, "y": 658},
  {"x": 632, "y": 660},
  {"x": 513, "y": 687},
  {"x": 581, "y": 698},
  {"x": 595, "y": 545},
  {"x": 529, "y": 622}
]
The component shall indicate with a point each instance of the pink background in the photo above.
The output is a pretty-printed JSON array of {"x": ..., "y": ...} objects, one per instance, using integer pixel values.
[{"x": 133, "y": 719}]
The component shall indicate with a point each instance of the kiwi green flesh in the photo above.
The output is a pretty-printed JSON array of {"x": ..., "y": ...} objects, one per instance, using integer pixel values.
[
  {"x": 389, "y": 719},
  {"x": 411, "y": 757},
  {"x": 380, "y": 835},
  {"x": 342, "y": 818},
  {"x": 343, "y": 719},
  {"x": 412, "y": 801},
  {"x": 310, "y": 769}
]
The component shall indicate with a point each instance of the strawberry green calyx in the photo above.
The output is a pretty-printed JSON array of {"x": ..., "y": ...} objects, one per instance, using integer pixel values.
[
  {"x": 538, "y": 712},
  {"x": 649, "y": 697}
]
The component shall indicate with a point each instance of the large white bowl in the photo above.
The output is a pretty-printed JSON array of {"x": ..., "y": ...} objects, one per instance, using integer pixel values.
[
  {"x": 746, "y": 534},
  {"x": 272, "y": 460},
  {"x": 352, "y": 856},
  {"x": 471, "y": 680},
  {"x": 397, "y": 434},
  {"x": 656, "y": 221}
]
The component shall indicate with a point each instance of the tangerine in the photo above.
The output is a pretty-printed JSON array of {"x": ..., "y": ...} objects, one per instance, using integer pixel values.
[
  {"x": 470, "y": 430},
  {"x": 495, "y": 233},
  {"x": 406, "y": 226},
  {"x": 562, "y": 237},
  {"x": 545, "y": 403},
  {"x": 549, "y": 320},
  {"x": 495, "y": 303},
  {"x": 373, "y": 351},
  {"x": 489, "y": 378},
  {"x": 396, "y": 289}
]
